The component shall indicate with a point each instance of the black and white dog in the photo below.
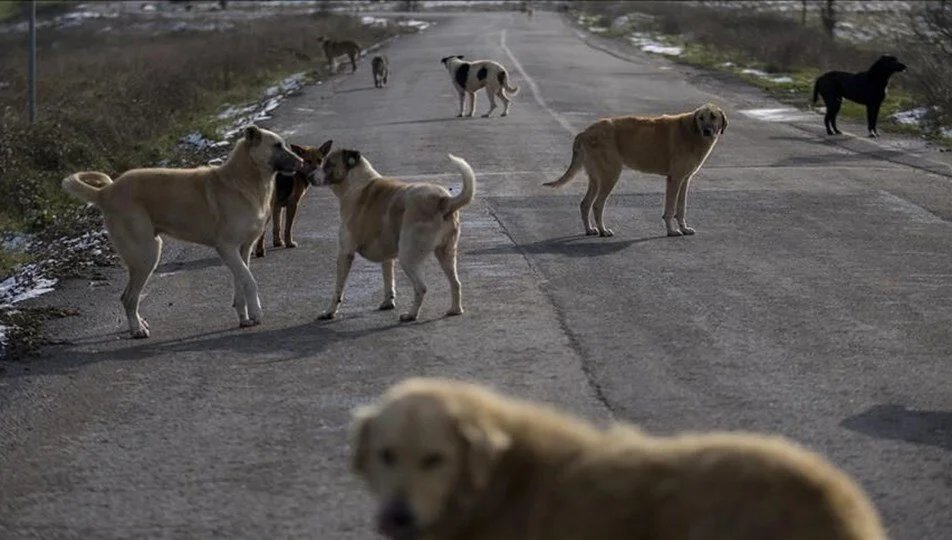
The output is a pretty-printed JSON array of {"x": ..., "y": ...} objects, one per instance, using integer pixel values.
[
  {"x": 470, "y": 77},
  {"x": 866, "y": 88}
]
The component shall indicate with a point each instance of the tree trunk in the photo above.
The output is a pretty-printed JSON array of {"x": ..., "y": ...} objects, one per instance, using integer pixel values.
[{"x": 828, "y": 17}]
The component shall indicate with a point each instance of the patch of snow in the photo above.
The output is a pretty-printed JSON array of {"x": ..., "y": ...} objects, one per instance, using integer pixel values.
[
  {"x": 373, "y": 21},
  {"x": 597, "y": 29},
  {"x": 765, "y": 75},
  {"x": 27, "y": 283},
  {"x": 911, "y": 116},
  {"x": 622, "y": 22},
  {"x": 413, "y": 23},
  {"x": 728, "y": 64},
  {"x": 15, "y": 242},
  {"x": 648, "y": 44},
  {"x": 781, "y": 114}
]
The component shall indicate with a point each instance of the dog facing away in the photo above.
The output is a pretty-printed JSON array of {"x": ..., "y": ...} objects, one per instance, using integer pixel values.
[
  {"x": 333, "y": 49},
  {"x": 674, "y": 146},
  {"x": 866, "y": 88},
  {"x": 380, "y": 66},
  {"x": 386, "y": 220},
  {"x": 289, "y": 191},
  {"x": 223, "y": 207},
  {"x": 448, "y": 460},
  {"x": 470, "y": 77}
]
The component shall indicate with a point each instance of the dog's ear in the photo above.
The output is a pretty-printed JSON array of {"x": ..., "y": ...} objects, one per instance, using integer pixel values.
[
  {"x": 359, "y": 432},
  {"x": 723, "y": 121},
  {"x": 325, "y": 148},
  {"x": 351, "y": 158},
  {"x": 460, "y": 56},
  {"x": 298, "y": 149},
  {"x": 485, "y": 445},
  {"x": 253, "y": 134}
]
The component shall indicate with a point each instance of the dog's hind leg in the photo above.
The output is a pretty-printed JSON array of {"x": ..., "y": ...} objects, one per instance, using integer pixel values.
[
  {"x": 492, "y": 104},
  {"x": 462, "y": 102},
  {"x": 289, "y": 214},
  {"x": 681, "y": 207},
  {"x": 247, "y": 303},
  {"x": 872, "y": 114},
  {"x": 259, "y": 246},
  {"x": 276, "y": 240},
  {"x": 829, "y": 120},
  {"x": 411, "y": 257},
  {"x": 389, "y": 285},
  {"x": 505, "y": 101},
  {"x": 607, "y": 170},
  {"x": 446, "y": 255},
  {"x": 586, "y": 207},
  {"x": 141, "y": 255}
]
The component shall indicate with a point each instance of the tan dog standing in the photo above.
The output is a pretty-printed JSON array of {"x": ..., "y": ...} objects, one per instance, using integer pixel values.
[
  {"x": 385, "y": 220},
  {"x": 333, "y": 49},
  {"x": 380, "y": 66},
  {"x": 289, "y": 191},
  {"x": 449, "y": 460},
  {"x": 674, "y": 146},
  {"x": 222, "y": 207}
]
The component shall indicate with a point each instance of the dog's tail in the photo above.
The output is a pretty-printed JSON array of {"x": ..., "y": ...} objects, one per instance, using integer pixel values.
[
  {"x": 469, "y": 185},
  {"x": 573, "y": 167},
  {"x": 504, "y": 81},
  {"x": 816, "y": 91},
  {"x": 86, "y": 186}
]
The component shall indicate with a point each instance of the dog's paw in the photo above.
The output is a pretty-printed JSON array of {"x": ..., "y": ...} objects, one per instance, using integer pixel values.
[
  {"x": 407, "y": 317},
  {"x": 258, "y": 254},
  {"x": 687, "y": 231},
  {"x": 387, "y": 305},
  {"x": 605, "y": 233},
  {"x": 326, "y": 316},
  {"x": 291, "y": 244},
  {"x": 248, "y": 323},
  {"x": 486, "y": 115},
  {"x": 591, "y": 232},
  {"x": 278, "y": 243},
  {"x": 460, "y": 115},
  {"x": 453, "y": 312},
  {"x": 672, "y": 232},
  {"x": 140, "y": 333},
  {"x": 504, "y": 114}
]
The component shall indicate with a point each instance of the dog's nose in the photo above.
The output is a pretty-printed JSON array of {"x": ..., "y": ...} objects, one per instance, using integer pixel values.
[{"x": 397, "y": 519}]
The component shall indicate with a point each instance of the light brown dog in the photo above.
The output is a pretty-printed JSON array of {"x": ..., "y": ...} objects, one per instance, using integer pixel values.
[
  {"x": 385, "y": 220},
  {"x": 449, "y": 460},
  {"x": 222, "y": 207},
  {"x": 673, "y": 146},
  {"x": 289, "y": 191},
  {"x": 333, "y": 49}
]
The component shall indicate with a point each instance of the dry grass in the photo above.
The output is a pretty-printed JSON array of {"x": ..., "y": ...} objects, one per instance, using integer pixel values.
[{"x": 113, "y": 101}]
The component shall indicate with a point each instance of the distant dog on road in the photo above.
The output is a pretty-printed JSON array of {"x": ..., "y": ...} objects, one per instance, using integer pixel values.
[
  {"x": 289, "y": 190},
  {"x": 222, "y": 207},
  {"x": 380, "y": 66},
  {"x": 447, "y": 460},
  {"x": 673, "y": 146},
  {"x": 385, "y": 220},
  {"x": 470, "y": 77},
  {"x": 333, "y": 49},
  {"x": 866, "y": 88}
]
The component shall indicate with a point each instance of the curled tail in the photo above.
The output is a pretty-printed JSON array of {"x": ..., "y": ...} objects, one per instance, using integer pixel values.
[
  {"x": 573, "y": 167},
  {"x": 469, "y": 185},
  {"x": 504, "y": 81},
  {"x": 86, "y": 186}
]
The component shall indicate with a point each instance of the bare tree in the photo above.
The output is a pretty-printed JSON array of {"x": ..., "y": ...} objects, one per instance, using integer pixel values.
[
  {"x": 803, "y": 12},
  {"x": 828, "y": 18}
]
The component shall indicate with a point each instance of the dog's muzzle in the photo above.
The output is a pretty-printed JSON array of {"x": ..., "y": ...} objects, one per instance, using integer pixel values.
[
  {"x": 317, "y": 177},
  {"x": 397, "y": 521},
  {"x": 707, "y": 132}
]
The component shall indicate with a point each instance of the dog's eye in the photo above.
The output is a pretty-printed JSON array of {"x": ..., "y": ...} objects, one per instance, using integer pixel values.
[
  {"x": 431, "y": 461},
  {"x": 388, "y": 457}
]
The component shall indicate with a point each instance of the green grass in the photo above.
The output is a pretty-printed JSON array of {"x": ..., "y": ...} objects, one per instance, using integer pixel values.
[{"x": 14, "y": 10}]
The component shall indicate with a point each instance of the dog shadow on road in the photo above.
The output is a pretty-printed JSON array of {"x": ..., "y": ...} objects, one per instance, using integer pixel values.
[
  {"x": 570, "y": 246},
  {"x": 257, "y": 345},
  {"x": 895, "y": 422}
]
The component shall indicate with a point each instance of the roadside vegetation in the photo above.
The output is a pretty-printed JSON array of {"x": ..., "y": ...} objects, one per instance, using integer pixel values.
[
  {"x": 117, "y": 93},
  {"x": 783, "y": 46}
]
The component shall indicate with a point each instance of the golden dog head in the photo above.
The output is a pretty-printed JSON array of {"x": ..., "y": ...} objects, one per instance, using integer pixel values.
[
  {"x": 336, "y": 166},
  {"x": 268, "y": 151},
  {"x": 422, "y": 453},
  {"x": 313, "y": 157},
  {"x": 710, "y": 120}
]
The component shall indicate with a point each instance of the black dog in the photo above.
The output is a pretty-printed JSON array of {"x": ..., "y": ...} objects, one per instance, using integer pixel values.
[{"x": 866, "y": 88}]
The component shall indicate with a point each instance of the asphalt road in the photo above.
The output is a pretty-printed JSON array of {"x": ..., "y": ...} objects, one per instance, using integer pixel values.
[{"x": 815, "y": 301}]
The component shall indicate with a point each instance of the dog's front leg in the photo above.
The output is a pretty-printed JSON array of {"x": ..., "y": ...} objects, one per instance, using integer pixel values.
[
  {"x": 462, "y": 100},
  {"x": 472, "y": 104},
  {"x": 247, "y": 303},
  {"x": 671, "y": 189},
  {"x": 389, "y": 286},
  {"x": 276, "y": 240},
  {"x": 345, "y": 258},
  {"x": 682, "y": 205}
]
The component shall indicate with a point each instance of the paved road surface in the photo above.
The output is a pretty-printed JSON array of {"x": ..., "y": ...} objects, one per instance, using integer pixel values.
[{"x": 814, "y": 302}]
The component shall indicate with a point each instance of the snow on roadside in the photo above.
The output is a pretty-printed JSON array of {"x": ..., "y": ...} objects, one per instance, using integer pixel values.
[
  {"x": 648, "y": 44},
  {"x": 765, "y": 75}
]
